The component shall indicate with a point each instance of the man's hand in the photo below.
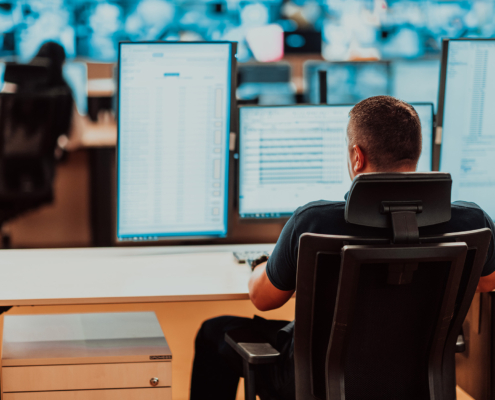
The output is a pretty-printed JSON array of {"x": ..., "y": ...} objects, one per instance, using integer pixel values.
[{"x": 263, "y": 294}]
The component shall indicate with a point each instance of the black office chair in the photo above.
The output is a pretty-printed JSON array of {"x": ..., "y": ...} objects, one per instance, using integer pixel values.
[
  {"x": 380, "y": 318},
  {"x": 30, "y": 125}
]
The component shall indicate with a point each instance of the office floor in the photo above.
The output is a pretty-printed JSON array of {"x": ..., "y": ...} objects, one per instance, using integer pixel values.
[{"x": 462, "y": 395}]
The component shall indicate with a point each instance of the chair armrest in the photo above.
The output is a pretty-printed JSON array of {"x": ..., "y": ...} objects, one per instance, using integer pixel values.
[
  {"x": 251, "y": 348},
  {"x": 460, "y": 345}
]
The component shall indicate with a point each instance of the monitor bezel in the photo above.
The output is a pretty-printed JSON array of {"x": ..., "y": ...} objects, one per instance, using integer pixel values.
[
  {"x": 179, "y": 238},
  {"x": 285, "y": 216},
  {"x": 443, "y": 86}
]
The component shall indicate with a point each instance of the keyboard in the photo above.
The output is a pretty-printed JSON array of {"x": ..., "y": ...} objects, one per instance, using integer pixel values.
[{"x": 245, "y": 257}]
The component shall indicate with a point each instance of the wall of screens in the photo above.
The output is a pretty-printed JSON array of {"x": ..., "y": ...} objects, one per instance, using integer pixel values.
[{"x": 348, "y": 29}]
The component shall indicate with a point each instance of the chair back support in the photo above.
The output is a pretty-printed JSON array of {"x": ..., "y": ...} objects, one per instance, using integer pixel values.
[
  {"x": 30, "y": 125},
  {"x": 372, "y": 195},
  {"x": 378, "y": 319}
]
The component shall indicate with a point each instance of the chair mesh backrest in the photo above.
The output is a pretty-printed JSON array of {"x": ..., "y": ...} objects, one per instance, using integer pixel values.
[
  {"x": 394, "y": 323},
  {"x": 30, "y": 124},
  {"x": 388, "y": 348},
  {"x": 390, "y": 340}
]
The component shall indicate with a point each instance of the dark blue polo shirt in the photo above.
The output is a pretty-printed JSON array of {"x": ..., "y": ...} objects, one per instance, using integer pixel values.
[{"x": 327, "y": 217}]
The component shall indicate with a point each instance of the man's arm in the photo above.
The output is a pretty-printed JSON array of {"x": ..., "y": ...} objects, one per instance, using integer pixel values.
[
  {"x": 263, "y": 294},
  {"x": 487, "y": 283}
]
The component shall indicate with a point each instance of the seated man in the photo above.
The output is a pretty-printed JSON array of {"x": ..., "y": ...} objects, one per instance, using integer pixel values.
[{"x": 383, "y": 135}]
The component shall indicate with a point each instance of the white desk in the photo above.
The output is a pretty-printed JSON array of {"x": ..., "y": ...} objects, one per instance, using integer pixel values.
[{"x": 123, "y": 275}]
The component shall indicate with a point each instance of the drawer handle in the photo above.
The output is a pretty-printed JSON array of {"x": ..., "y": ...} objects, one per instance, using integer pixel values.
[{"x": 154, "y": 381}]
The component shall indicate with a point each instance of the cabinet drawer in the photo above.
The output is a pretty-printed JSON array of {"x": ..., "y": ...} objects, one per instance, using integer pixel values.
[
  {"x": 122, "y": 394},
  {"x": 86, "y": 376}
]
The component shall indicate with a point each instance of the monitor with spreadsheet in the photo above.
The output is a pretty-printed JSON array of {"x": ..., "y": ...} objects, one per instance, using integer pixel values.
[
  {"x": 347, "y": 82},
  {"x": 290, "y": 156},
  {"x": 173, "y": 139},
  {"x": 467, "y": 120}
]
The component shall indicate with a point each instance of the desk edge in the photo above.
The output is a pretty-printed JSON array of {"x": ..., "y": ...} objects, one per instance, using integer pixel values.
[{"x": 126, "y": 300}]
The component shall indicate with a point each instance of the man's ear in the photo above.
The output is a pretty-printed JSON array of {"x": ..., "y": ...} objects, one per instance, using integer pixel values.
[{"x": 359, "y": 162}]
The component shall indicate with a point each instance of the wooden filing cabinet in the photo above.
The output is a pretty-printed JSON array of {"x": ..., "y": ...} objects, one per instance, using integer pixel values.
[{"x": 106, "y": 356}]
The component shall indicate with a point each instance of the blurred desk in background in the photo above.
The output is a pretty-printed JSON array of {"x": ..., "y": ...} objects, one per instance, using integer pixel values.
[
  {"x": 98, "y": 135},
  {"x": 82, "y": 213}
]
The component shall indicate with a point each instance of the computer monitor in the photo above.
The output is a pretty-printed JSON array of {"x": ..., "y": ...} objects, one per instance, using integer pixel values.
[
  {"x": 173, "y": 139},
  {"x": 416, "y": 80},
  {"x": 290, "y": 156},
  {"x": 347, "y": 82},
  {"x": 467, "y": 120},
  {"x": 76, "y": 75},
  {"x": 263, "y": 73},
  {"x": 268, "y": 84}
]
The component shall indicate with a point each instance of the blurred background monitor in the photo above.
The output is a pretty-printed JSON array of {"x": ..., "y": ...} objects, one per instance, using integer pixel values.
[
  {"x": 347, "y": 82},
  {"x": 416, "y": 81},
  {"x": 302, "y": 42},
  {"x": 290, "y": 156},
  {"x": 76, "y": 75},
  {"x": 2, "y": 72},
  {"x": 266, "y": 84},
  {"x": 339, "y": 30}
]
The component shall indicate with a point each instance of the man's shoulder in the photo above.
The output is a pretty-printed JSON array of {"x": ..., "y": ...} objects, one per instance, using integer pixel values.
[
  {"x": 466, "y": 206},
  {"x": 470, "y": 214},
  {"x": 325, "y": 206},
  {"x": 326, "y": 217},
  {"x": 320, "y": 206}
]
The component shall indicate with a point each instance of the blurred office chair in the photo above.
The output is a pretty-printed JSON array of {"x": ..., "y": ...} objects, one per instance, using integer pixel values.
[
  {"x": 30, "y": 125},
  {"x": 380, "y": 318}
]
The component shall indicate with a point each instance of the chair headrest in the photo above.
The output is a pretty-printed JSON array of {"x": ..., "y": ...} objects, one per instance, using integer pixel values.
[{"x": 373, "y": 195}]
